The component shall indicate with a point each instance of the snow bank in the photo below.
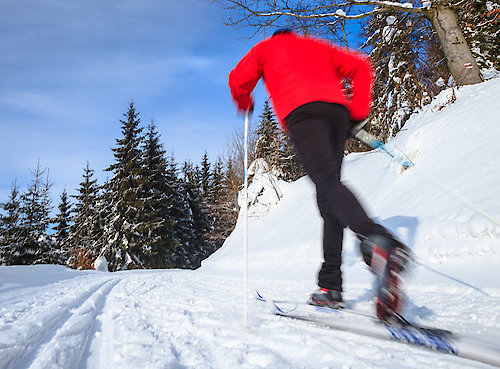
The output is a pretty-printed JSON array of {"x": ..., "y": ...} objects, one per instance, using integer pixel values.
[{"x": 456, "y": 144}]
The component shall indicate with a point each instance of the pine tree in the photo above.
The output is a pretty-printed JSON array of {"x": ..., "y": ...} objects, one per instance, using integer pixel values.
[
  {"x": 86, "y": 228},
  {"x": 10, "y": 228},
  {"x": 222, "y": 208},
  {"x": 158, "y": 223},
  {"x": 199, "y": 189},
  {"x": 275, "y": 147},
  {"x": 179, "y": 210},
  {"x": 268, "y": 142},
  {"x": 37, "y": 245},
  {"x": 122, "y": 245},
  {"x": 217, "y": 188},
  {"x": 202, "y": 195},
  {"x": 199, "y": 246},
  {"x": 233, "y": 180},
  {"x": 205, "y": 176},
  {"x": 62, "y": 228}
]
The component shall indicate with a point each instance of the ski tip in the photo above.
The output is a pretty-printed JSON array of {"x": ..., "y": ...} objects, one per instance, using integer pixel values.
[{"x": 278, "y": 310}]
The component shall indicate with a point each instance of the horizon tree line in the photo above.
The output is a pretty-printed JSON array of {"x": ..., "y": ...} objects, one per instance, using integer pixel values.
[{"x": 150, "y": 213}]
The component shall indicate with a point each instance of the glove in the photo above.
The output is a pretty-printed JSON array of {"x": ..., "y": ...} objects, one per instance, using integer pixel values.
[
  {"x": 243, "y": 112},
  {"x": 245, "y": 105}
]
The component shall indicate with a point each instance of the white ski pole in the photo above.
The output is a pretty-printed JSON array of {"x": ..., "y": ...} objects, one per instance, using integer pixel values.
[{"x": 245, "y": 235}]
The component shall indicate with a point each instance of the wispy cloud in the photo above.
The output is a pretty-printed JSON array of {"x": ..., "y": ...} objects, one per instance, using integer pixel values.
[{"x": 69, "y": 68}]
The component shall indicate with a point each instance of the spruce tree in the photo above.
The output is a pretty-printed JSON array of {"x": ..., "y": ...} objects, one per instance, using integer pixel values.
[
  {"x": 216, "y": 194},
  {"x": 233, "y": 182},
  {"x": 123, "y": 246},
  {"x": 268, "y": 142},
  {"x": 197, "y": 195},
  {"x": 222, "y": 207},
  {"x": 275, "y": 147},
  {"x": 179, "y": 210},
  {"x": 205, "y": 175},
  {"x": 62, "y": 228},
  {"x": 37, "y": 245},
  {"x": 86, "y": 228},
  {"x": 10, "y": 228},
  {"x": 158, "y": 224}
]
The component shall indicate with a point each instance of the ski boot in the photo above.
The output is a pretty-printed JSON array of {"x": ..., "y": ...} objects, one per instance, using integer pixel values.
[
  {"x": 388, "y": 260},
  {"x": 327, "y": 298}
]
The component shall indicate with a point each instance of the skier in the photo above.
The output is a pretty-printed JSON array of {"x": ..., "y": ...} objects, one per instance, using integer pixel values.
[{"x": 304, "y": 77}]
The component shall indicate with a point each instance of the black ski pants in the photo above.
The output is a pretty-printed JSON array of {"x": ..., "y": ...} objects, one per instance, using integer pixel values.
[{"x": 319, "y": 131}]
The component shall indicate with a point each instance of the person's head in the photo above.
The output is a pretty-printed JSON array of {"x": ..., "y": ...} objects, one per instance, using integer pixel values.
[{"x": 282, "y": 31}]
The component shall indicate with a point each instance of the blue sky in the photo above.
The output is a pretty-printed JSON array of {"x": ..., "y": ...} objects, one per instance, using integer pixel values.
[{"x": 69, "y": 68}]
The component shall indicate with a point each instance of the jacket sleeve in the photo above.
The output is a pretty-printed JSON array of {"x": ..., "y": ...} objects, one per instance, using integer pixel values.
[
  {"x": 244, "y": 77},
  {"x": 357, "y": 69}
]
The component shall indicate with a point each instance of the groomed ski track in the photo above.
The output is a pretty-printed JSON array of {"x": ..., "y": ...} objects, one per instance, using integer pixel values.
[{"x": 187, "y": 319}]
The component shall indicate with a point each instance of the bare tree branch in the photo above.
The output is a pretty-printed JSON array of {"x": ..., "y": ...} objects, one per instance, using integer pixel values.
[{"x": 278, "y": 9}]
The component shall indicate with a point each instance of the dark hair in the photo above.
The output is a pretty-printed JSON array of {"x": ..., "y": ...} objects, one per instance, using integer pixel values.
[{"x": 282, "y": 31}]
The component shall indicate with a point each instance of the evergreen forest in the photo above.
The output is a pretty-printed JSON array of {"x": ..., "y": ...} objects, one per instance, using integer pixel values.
[{"x": 151, "y": 213}]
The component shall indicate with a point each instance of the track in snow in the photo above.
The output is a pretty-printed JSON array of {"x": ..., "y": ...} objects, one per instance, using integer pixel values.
[
  {"x": 186, "y": 319},
  {"x": 51, "y": 328}
]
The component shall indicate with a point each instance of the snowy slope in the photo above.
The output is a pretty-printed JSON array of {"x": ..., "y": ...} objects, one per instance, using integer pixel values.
[
  {"x": 457, "y": 145},
  {"x": 51, "y": 317}
]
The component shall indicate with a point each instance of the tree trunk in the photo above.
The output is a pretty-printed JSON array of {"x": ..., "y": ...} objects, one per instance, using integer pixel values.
[{"x": 461, "y": 63}]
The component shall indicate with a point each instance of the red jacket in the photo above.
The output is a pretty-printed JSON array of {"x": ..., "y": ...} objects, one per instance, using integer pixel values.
[{"x": 297, "y": 70}]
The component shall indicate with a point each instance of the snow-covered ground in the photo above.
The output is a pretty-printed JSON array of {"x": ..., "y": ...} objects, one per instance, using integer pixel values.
[{"x": 52, "y": 317}]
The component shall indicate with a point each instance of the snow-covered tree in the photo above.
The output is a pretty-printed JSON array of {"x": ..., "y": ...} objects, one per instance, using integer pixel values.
[
  {"x": 222, "y": 207},
  {"x": 10, "y": 228},
  {"x": 479, "y": 20},
  {"x": 63, "y": 224},
  {"x": 320, "y": 16},
  {"x": 398, "y": 49},
  {"x": 197, "y": 244},
  {"x": 268, "y": 145},
  {"x": 122, "y": 244},
  {"x": 275, "y": 147},
  {"x": 86, "y": 229},
  {"x": 180, "y": 211},
  {"x": 37, "y": 245},
  {"x": 157, "y": 225},
  {"x": 205, "y": 176}
]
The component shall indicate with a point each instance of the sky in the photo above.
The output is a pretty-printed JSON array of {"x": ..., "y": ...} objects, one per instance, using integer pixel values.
[{"x": 69, "y": 69}]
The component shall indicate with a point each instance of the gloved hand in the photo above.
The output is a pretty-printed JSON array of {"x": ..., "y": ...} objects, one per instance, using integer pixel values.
[{"x": 245, "y": 105}]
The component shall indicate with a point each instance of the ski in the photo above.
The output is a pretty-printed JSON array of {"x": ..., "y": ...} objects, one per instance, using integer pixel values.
[
  {"x": 400, "y": 330},
  {"x": 347, "y": 308}
]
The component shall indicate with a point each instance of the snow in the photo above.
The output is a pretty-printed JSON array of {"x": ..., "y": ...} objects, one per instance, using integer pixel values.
[
  {"x": 101, "y": 264},
  {"x": 390, "y": 20},
  {"x": 340, "y": 13},
  {"x": 53, "y": 317}
]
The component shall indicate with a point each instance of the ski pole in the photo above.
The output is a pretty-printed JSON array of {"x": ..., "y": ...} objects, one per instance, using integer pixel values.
[
  {"x": 245, "y": 234},
  {"x": 375, "y": 143}
]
